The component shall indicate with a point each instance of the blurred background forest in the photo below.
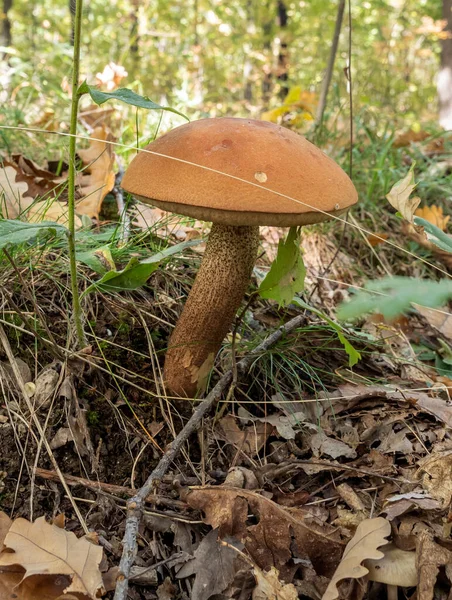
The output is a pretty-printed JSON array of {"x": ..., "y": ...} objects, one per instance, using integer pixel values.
[{"x": 216, "y": 58}]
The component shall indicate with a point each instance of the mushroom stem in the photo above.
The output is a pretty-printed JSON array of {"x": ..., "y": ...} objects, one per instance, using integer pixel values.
[
  {"x": 393, "y": 592},
  {"x": 217, "y": 293}
]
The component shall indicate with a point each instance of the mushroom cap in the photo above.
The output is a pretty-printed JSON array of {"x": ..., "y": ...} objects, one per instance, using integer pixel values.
[
  {"x": 397, "y": 567},
  {"x": 273, "y": 158}
]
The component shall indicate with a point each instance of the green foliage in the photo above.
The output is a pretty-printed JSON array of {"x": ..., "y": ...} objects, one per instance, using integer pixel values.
[
  {"x": 353, "y": 355},
  {"x": 136, "y": 272},
  {"x": 124, "y": 95},
  {"x": 287, "y": 273},
  {"x": 393, "y": 296},
  {"x": 14, "y": 232},
  {"x": 435, "y": 235}
]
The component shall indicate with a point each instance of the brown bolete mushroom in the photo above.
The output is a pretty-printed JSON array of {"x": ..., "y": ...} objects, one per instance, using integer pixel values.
[
  {"x": 188, "y": 171},
  {"x": 396, "y": 568}
]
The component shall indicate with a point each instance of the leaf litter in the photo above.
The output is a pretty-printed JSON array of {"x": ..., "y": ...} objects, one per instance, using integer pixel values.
[{"x": 294, "y": 472}]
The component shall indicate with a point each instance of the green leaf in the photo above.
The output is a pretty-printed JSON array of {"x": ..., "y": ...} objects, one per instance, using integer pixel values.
[
  {"x": 125, "y": 95},
  {"x": 393, "y": 296},
  {"x": 99, "y": 259},
  {"x": 133, "y": 276},
  {"x": 435, "y": 234},
  {"x": 136, "y": 273},
  {"x": 287, "y": 273},
  {"x": 353, "y": 355},
  {"x": 18, "y": 232}
]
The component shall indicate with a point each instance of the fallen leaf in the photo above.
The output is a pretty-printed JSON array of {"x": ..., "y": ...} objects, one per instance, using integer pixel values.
[
  {"x": 14, "y": 197},
  {"x": 369, "y": 536},
  {"x": 430, "y": 556},
  {"x": 436, "y": 470},
  {"x": 269, "y": 587},
  {"x": 98, "y": 177},
  {"x": 167, "y": 590},
  {"x": 399, "y": 196},
  {"x": 214, "y": 567},
  {"x": 401, "y": 503},
  {"x": 321, "y": 444},
  {"x": 250, "y": 439},
  {"x": 439, "y": 319},
  {"x": 5, "y": 524},
  {"x": 41, "y": 548},
  {"x": 434, "y": 214},
  {"x": 278, "y": 535}
]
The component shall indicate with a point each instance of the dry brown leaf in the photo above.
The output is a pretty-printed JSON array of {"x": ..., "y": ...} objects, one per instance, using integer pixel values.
[
  {"x": 369, "y": 536},
  {"x": 14, "y": 195},
  {"x": 279, "y": 534},
  {"x": 430, "y": 556},
  {"x": 399, "y": 197},
  {"x": 51, "y": 211},
  {"x": 41, "y": 548},
  {"x": 405, "y": 139},
  {"x": 98, "y": 177},
  {"x": 269, "y": 587},
  {"x": 436, "y": 479},
  {"x": 111, "y": 76},
  {"x": 5, "y": 524},
  {"x": 42, "y": 587},
  {"x": 434, "y": 214},
  {"x": 250, "y": 439},
  {"x": 440, "y": 320}
]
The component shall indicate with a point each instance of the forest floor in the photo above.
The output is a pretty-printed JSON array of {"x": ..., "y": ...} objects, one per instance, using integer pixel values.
[{"x": 299, "y": 452}]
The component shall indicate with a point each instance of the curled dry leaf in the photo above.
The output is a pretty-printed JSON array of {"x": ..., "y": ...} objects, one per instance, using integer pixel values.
[
  {"x": 98, "y": 178},
  {"x": 43, "y": 549},
  {"x": 279, "y": 534},
  {"x": 436, "y": 470},
  {"x": 430, "y": 557},
  {"x": 399, "y": 197},
  {"x": 269, "y": 587},
  {"x": 369, "y": 536}
]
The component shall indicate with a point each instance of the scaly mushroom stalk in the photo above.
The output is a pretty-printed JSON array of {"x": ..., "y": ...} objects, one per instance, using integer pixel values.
[{"x": 217, "y": 293}]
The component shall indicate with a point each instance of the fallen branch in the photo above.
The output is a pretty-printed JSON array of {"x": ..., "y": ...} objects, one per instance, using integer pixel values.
[
  {"x": 109, "y": 488},
  {"x": 135, "y": 504}
]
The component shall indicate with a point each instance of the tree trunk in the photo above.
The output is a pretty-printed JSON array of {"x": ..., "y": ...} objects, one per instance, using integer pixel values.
[
  {"x": 445, "y": 73},
  {"x": 283, "y": 58},
  {"x": 329, "y": 70},
  {"x": 5, "y": 30}
]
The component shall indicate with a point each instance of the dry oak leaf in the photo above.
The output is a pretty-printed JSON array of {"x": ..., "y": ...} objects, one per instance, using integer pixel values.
[
  {"x": 279, "y": 534},
  {"x": 370, "y": 535},
  {"x": 98, "y": 177},
  {"x": 14, "y": 195},
  {"x": 269, "y": 587},
  {"x": 5, "y": 524},
  {"x": 434, "y": 214},
  {"x": 43, "y": 549}
]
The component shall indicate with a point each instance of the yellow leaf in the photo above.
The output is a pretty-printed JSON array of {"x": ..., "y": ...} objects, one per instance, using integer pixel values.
[
  {"x": 269, "y": 586},
  {"x": 433, "y": 214}
]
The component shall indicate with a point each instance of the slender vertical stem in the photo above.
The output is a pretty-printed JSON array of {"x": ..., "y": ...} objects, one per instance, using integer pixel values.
[{"x": 76, "y": 307}]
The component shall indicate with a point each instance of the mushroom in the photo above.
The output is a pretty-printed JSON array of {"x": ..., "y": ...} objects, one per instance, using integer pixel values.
[
  {"x": 203, "y": 170},
  {"x": 396, "y": 568}
]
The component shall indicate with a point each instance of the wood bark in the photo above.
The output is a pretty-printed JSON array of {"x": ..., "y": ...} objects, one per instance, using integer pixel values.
[{"x": 5, "y": 30}]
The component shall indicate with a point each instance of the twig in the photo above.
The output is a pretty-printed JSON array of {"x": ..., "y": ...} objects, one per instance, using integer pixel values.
[
  {"x": 109, "y": 488},
  {"x": 135, "y": 504}
]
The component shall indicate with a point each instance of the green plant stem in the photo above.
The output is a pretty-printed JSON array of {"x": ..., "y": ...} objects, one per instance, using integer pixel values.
[{"x": 76, "y": 306}]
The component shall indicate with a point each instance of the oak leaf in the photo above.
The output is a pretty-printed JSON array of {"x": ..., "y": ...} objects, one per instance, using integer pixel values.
[
  {"x": 269, "y": 587},
  {"x": 370, "y": 535},
  {"x": 43, "y": 549},
  {"x": 434, "y": 214},
  {"x": 279, "y": 535}
]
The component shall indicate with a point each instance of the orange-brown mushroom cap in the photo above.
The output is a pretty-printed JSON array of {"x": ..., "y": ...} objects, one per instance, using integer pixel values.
[{"x": 295, "y": 182}]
